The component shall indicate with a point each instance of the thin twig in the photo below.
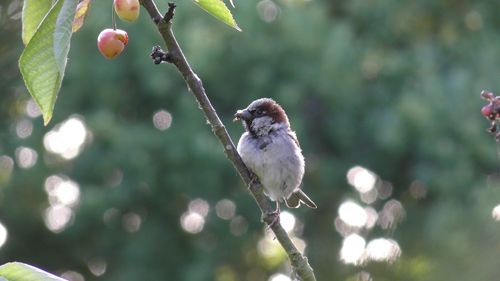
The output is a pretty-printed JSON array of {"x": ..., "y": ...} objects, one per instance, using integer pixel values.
[{"x": 164, "y": 24}]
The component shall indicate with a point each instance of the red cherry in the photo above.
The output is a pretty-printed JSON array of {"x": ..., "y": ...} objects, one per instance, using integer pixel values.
[
  {"x": 486, "y": 111},
  {"x": 111, "y": 42}
]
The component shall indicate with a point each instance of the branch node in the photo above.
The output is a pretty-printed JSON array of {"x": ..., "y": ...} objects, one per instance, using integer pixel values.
[
  {"x": 254, "y": 182},
  {"x": 169, "y": 15},
  {"x": 271, "y": 218},
  {"x": 157, "y": 20},
  {"x": 216, "y": 128},
  {"x": 159, "y": 56}
]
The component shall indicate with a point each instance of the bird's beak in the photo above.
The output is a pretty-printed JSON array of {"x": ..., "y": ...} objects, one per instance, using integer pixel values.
[{"x": 242, "y": 114}]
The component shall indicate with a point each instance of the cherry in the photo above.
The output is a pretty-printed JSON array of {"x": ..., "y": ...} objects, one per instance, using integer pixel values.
[
  {"x": 486, "y": 111},
  {"x": 492, "y": 112},
  {"x": 127, "y": 10},
  {"x": 111, "y": 42}
]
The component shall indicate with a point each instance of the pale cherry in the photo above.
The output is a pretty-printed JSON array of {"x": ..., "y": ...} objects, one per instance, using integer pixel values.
[
  {"x": 127, "y": 10},
  {"x": 111, "y": 42}
]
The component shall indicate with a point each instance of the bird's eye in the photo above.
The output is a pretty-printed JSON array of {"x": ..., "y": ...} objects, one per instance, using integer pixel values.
[{"x": 260, "y": 112}]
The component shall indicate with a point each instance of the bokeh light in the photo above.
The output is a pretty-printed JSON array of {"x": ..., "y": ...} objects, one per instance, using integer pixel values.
[
  {"x": 362, "y": 276},
  {"x": 225, "y": 209},
  {"x": 110, "y": 215},
  {"x": 370, "y": 196},
  {"x": 352, "y": 214},
  {"x": 473, "y": 20},
  {"x": 199, "y": 206},
  {"x": 97, "y": 266},
  {"x": 384, "y": 190},
  {"x": 192, "y": 222},
  {"x": 238, "y": 226},
  {"x": 57, "y": 217},
  {"x": 225, "y": 273},
  {"x": 371, "y": 217},
  {"x": 279, "y": 277},
  {"x": 31, "y": 109},
  {"x": 24, "y": 128},
  {"x": 361, "y": 178},
  {"x": 300, "y": 244},
  {"x": 6, "y": 168},
  {"x": 268, "y": 10},
  {"x": 287, "y": 221},
  {"x": 26, "y": 157},
  {"x": 496, "y": 213},
  {"x": 63, "y": 195},
  {"x": 162, "y": 120},
  {"x": 353, "y": 249},
  {"x": 418, "y": 190},
  {"x": 382, "y": 249},
  {"x": 115, "y": 178},
  {"x": 3, "y": 235},
  {"x": 62, "y": 190},
  {"x": 391, "y": 214},
  {"x": 269, "y": 248},
  {"x": 66, "y": 139},
  {"x": 71, "y": 275},
  {"x": 131, "y": 222}
]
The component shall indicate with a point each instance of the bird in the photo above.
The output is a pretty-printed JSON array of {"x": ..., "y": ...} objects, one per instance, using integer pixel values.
[{"x": 270, "y": 149}]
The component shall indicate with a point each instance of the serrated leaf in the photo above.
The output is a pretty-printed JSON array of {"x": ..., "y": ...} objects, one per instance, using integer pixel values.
[
  {"x": 16, "y": 271},
  {"x": 43, "y": 61},
  {"x": 219, "y": 10},
  {"x": 33, "y": 13},
  {"x": 81, "y": 12}
]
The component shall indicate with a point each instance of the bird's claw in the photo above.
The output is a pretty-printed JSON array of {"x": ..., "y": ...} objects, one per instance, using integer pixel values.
[
  {"x": 253, "y": 180},
  {"x": 272, "y": 218}
]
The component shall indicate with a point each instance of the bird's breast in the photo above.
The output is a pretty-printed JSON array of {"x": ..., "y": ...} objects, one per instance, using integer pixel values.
[{"x": 276, "y": 160}]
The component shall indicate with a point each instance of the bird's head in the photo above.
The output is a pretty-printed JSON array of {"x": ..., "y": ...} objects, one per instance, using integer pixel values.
[{"x": 262, "y": 117}]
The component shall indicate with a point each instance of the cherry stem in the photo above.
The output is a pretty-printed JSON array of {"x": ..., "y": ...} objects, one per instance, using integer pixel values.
[{"x": 113, "y": 19}]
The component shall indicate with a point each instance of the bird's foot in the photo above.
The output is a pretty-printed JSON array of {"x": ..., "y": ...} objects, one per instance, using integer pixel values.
[
  {"x": 273, "y": 217},
  {"x": 253, "y": 179}
]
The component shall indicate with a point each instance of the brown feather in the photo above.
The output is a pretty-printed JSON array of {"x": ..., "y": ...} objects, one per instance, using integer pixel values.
[
  {"x": 293, "y": 201},
  {"x": 305, "y": 199}
]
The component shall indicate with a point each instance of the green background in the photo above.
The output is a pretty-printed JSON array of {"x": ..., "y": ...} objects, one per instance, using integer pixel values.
[{"x": 392, "y": 86}]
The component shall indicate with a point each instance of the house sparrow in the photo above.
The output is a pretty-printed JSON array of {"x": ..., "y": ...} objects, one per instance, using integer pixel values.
[{"x": 270, "y": 149}]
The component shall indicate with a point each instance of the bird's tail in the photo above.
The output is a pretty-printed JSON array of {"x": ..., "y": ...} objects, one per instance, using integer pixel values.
[{"x": 297, "y": 197}]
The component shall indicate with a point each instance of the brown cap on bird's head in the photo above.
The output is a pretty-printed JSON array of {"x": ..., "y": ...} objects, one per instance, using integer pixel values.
[{"x": 263, "y": 107}]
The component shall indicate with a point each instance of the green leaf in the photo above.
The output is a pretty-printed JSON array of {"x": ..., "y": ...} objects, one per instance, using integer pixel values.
[
  {"x": 43, "y": 61},
  {"x": 219, "y": 10},
  {"x": 16, "y": 271},
  {"x": 33, "y": 13}
]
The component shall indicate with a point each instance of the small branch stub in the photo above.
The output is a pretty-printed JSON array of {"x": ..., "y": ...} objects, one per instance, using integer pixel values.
[
  {"x": 169, "y": 15},
  {"x": 159, "y": 56}
]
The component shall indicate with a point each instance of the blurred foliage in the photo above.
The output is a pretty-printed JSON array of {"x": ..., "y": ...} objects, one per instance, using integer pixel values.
[{"x": 392, "y": 86}]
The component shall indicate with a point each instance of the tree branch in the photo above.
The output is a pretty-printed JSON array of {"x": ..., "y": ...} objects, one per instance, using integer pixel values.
[{"x": 175, "y": 56}]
